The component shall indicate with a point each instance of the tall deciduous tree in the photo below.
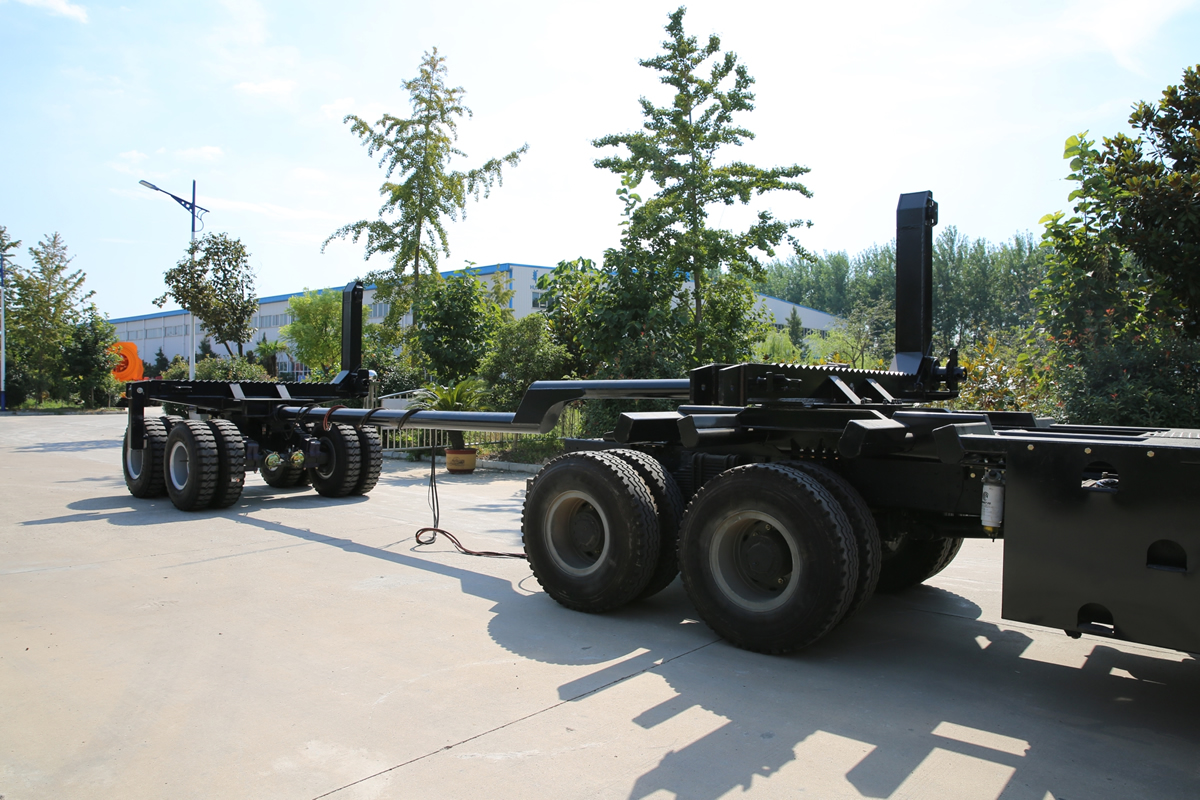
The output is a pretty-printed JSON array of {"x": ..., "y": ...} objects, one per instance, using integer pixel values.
[
  {"x": 677, "y": 149},
  {"x": 418, "y": 150},
  {"x": 215, "y": 282}
]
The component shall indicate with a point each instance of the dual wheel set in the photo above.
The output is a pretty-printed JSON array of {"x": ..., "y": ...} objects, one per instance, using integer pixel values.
[
  {"x": 772, "y": 555},
  {"x": 202, "y": 464}
]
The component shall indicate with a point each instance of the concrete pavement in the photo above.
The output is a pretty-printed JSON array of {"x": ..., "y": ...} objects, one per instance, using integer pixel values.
[{"x": 298, "y": 647}]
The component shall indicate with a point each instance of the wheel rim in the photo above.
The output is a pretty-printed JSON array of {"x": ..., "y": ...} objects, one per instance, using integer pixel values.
[
  {"x": 134, "y": 460},
  {"x": 755, "y": 561},
  {"x": 179, "y": 466},
  {"x": 577, "y": 533},
  {"x": 327, "y": 469}
]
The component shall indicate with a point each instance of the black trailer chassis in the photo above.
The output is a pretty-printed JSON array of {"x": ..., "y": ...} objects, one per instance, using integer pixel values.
[{"x": 785, "y": 495}]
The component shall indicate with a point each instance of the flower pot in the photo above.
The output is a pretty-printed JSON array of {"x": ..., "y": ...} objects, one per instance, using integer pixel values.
[{"x": 461, "y": 462}]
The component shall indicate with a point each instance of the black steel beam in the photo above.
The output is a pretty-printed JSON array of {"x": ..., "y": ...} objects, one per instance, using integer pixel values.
[{"x": 916, "y": 215}]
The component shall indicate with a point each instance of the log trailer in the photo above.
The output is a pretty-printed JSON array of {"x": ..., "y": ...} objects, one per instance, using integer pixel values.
[{"x": 785, "y": 495}]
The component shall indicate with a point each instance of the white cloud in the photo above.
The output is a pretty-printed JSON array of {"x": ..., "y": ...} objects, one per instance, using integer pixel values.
[
  {"x": 206, "y": 153},
  {"x": 60, "y": 7},
  {"x": 276, "y": 87}
]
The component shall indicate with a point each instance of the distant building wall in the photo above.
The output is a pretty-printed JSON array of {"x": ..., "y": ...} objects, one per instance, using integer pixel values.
[{"x": 171, "y": 330}]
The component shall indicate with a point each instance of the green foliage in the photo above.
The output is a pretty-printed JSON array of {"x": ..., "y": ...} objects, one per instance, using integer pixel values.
[
  {"x": 215, "y": 282},
  {"x": 455, "y": 321},
  {"x": 314, "y": 336},
  {"x": 88, "y": 360},
  {"x": 177, "y": 370},
  {"x": 418, "y": 150},
  {"x": 1131, "y": 382},
  {"x": 267, "y": 354},
  {"x": 795, "y": 329},
  {"x": 777, "y": 348},
  {"x": 393, "y": 373},
  {"x": 522, "y": 351},
  {"x": 156, "y": 369},
  {"x": 677, "y": 149},
  {"x": 230, "y": 369},
  {"x": 466, "y": 395},
  {"x": 732, "y": 323},
  {"x": 1009, "y": 370},
  {"x": 1120, "y": 295},
  {"x": 567, "y": 292},
  {"x": 863, "y": 339},
  {"x": 45, "y": 304},
  {"x": 1153, "y": 198}
]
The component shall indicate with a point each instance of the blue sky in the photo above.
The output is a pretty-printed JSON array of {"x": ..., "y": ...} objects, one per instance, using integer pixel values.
[{"x": 970, "y": 100}]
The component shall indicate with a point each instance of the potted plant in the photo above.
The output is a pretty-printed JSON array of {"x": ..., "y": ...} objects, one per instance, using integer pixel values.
[{"x": 466, "y": 395}]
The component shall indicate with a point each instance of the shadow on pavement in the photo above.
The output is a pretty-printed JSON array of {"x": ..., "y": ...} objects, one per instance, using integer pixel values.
[{"x": 913, "y": 683}]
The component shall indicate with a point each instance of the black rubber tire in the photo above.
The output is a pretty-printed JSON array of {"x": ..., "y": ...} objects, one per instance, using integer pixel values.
[
  {"x": 190, "y": 465},
  {"x": 909, "y": 562},
  {"x": 370, "y": 450},
  {"x": 768, "y": 557},
  {"x": 866, "y": 532},
  {"x": 170, "y": 420},
  {"x": 668, "y": 501},
  {"x": 231, "y": 463},
  {"x": 285, "y": 476},
  {"x": 338, "y": 476},
  {"x": 144, "y": 468},
  {"x": 590, "y": 531}
]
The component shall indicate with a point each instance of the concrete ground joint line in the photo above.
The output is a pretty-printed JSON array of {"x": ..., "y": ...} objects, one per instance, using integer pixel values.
[{"x": 530, "y": 715}]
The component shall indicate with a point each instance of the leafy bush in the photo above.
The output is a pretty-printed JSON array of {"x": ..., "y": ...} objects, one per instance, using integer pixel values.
[{"x": 522, "y": 352}]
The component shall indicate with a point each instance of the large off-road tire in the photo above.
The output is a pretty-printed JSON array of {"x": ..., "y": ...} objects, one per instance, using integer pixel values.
[
  {"x": 768, "y": 557},
  {"x": 170, "y": 420},
  {"x": 908, "y": 562},
  {"x": 370, "y": 450},
  {"x": 668, "y": 501},
  {"x": 866, "y": 533},
  {"x": 231, "y": 462},
  {"x": 590, "y": 530},
  {"x": 190, "y": 465},
  {"x": 338, "y": 474},
  {"x": 285, "y": 476},
  {"x": 144, "y": 468}
]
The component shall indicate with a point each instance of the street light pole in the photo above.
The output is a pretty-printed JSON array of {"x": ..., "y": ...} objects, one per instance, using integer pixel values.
[
  {"x": 3, "y": 339},
  {"x": 192, "y": 209}
]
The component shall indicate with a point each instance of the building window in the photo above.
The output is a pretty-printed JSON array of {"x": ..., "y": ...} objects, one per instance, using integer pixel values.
[
  {"x": 135, "y": 335},
  {"x": 154, "y": 333},
  {"x": 539, "y": 300},
  {"x": 175, "y": 330},
  {"x": 379, "y": 310},
  {"x": 271, "y": 320}
]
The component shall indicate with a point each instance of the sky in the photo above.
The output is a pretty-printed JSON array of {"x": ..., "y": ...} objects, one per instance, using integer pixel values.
[{"x": 969, "y": 100}]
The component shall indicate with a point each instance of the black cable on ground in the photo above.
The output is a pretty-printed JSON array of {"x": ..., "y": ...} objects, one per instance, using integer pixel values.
[{"x": 429, "y": 535}]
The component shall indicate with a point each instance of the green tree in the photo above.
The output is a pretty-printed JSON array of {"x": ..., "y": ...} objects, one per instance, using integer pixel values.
[
  {"x": 47, "y": 302},
  {"x": 88, "y": 359},
  {"x": 795, "y": 328},
  {"x": 567, "y": 295},
  {"x": 426, "y": 192},
  {"x": 864, "y": 338},
  {"x": 522, "y": 351},
  {"x": 456, "y": 318},
  {"x": 215, "y": 282},
  {"x": 314, "y": 336},
  {"x": 1151, "y": 203},
  {"x": 678, "y": 150}
]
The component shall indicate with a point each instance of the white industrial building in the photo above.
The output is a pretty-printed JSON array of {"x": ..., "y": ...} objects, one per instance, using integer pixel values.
[{"x": 171, "y": 330}]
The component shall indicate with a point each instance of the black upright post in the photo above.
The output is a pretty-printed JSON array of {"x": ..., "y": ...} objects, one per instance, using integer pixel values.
[
  {"x": 916, "y": 215},
  {"x": 352, "y": 297}
]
